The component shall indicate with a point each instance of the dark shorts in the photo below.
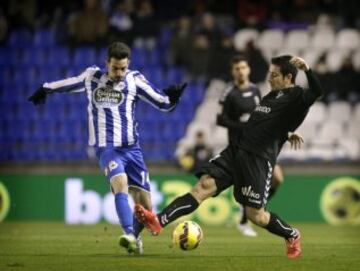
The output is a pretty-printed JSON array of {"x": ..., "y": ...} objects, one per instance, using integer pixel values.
[{"x": 249, "y": 173}]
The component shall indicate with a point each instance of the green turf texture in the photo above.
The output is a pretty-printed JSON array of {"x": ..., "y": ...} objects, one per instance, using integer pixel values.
[{"x": 55, "y": 246}]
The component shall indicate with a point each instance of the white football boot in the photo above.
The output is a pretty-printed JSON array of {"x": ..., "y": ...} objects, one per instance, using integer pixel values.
[{"x": 246, "y": 229}]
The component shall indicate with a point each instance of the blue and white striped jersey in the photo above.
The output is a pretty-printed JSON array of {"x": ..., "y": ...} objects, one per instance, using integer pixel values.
[{"x": 111, "y": 105}]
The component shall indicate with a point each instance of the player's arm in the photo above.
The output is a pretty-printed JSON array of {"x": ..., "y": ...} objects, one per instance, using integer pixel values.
[
  {"x": 69, "y": 85},
  {"x": 165, "y": 101},
  {"x": 223, "y": 118},
  {"x": 315, "y": 90}
]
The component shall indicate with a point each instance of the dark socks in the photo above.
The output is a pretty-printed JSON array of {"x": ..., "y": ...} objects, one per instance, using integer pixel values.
[
  {"x": 280, "y": 227},
  {"x": 138, "y": 227},
  {"x": 181, "y": 206},
  {"x": 243, "y": 219}
]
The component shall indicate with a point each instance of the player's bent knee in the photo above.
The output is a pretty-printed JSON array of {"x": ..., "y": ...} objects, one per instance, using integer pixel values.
[
  {"x": 204, "y": 189},
  {"x": 258, "y": 216}
]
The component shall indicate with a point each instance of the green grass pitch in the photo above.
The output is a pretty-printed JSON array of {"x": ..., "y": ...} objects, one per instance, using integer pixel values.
[{"x": 55, "y": 246}]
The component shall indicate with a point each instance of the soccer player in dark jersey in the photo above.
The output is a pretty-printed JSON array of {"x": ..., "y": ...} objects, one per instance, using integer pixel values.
[
  {"x": 248, "y": 164},
  {"x": 239, "y": 100}
]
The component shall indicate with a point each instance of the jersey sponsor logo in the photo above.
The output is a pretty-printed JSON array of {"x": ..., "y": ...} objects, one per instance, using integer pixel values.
[
  {"x": 247, "y": 94},
  {"x": 263, "y": 109},
  {"x": 106, "y": 96},
  {"x": 248, "y": 192}
]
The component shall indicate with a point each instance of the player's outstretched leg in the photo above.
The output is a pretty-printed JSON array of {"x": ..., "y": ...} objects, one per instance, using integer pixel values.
[
  {"x": 181, "y": 206},
  {"x": 274, "y": 224}
]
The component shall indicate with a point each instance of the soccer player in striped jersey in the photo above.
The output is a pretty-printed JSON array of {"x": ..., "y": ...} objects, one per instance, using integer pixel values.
[{"x": 112, "y": 96}]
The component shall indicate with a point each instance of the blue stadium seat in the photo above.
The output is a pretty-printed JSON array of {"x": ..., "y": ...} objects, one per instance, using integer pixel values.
[
  {"x": 49, "y": 75},
  {"x": 58, "y": 57},
  {"x": 15, "y": 56},
  {"x": 44, "y": 38},
  {"x": 84, "y": 57},
  {"x": 101, "y": 57},
  {"x": 165, "y": 37},
  {"x": 5, "y": 60},
  {"x": 138, "y": 58},
  {"x": 175, "y": 75},
  {"x": 20, "y": 38},
  {"x": 33, "y": 57}
]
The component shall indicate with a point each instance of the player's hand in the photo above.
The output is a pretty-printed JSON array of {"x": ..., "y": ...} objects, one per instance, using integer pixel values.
[
  {"x": 299, "y": 63},
  {"x": 39, "y": 96},
  {"x": 174, "y": 92},
  {"x": 295, "y": 140}
]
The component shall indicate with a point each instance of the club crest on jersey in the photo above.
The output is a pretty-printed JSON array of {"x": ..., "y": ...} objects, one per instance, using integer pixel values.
[
  {"x": 106, "y": 96},
  {"x": 280, "y": 93}
]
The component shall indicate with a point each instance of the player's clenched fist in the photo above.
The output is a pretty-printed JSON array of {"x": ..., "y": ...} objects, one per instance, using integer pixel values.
[{"x": 299, "y": 63}]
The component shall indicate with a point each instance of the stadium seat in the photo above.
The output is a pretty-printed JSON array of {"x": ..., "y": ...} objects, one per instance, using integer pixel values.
[
  {"x": 195, "y": 127},
  {"x": 271, "y": 39},
  {"x": 5, "y": 60},
  {"x": 44, "y": 38},
  {"x": 243, "y": 36},
  {"x": 350, "y": 147},
  {"x": 312, "y": 55},
  {"x": 353, "y": 130},
  {"x": 317, "y": 113},
  {"x": 331, "y": 130},
  {"x": 321, "y": 150},
  {"x": 323, "y": 40},
  {"x": 288, "y": 154},
  {"x": 356, "y": 113},
  {"x": 339, "y": 111},
  {"x": 34, "y": 57},
  {"x": 20, "y": 38},
  {"x": 308, "y": 130},
  {"x": 58, "y": 57},
  {"x": 356, "y": 59},
  {"x": 215, "y": 90},
  {"x": 219, "y": 139},
  {"x": 84, "y": 57},
  {"x": 207, "y": 112},
  {"x": 297, "y": 39},
  {"x": 335, "y": 58},
  {"x": 348, "y": 39}
]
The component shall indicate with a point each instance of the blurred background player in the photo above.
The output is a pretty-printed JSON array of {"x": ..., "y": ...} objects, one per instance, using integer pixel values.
[
  {"x": 197, "y": 155},
  {"x": 112, "y": 95},
  {"x": 239, "y": 100}
]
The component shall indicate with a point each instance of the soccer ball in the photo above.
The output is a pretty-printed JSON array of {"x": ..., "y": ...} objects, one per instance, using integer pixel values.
[{"x": 187, "y": 235}]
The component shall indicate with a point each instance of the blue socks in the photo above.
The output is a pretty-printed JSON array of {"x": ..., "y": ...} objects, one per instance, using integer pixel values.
[{"x": 124, "y": 212}]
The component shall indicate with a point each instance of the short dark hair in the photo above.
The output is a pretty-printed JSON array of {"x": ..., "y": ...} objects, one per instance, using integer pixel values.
[
  {"x": 118, "y": 50},
  {"x": 238, "y": 58},
  {"x": 285, "y": 66}
]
